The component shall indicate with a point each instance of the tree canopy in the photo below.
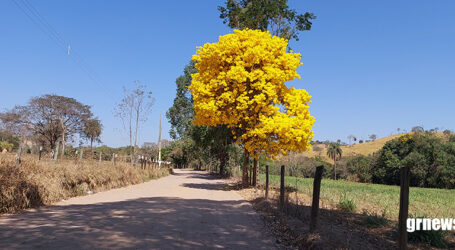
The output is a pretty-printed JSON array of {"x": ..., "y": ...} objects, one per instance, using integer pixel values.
[
  {"x": 48, "y": 118},
  {"x": 241, "y": 84},
  {"x": 92, "y": 130},
  {"x": 272, "y": 15},
  {"x": 181, "y": 114}
]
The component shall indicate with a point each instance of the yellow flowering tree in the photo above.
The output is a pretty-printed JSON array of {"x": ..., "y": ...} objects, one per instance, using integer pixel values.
[{"x": 241, "y": 83}]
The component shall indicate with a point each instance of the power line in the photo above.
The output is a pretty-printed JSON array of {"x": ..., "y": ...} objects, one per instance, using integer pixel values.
[{"x": 35, "y": 16}]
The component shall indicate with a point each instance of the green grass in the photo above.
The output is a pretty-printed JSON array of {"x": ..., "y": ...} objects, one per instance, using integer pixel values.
[
  {"x": 375, "y": 198},
  {"x": 433, "y": 237},
  {"x": 347, "y": 203},
  {"x": 374, "y": 220}
]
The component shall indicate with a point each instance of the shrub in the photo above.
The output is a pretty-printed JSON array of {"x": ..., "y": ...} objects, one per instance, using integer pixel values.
[
  {"x": 374, "y": 220},
  {"x": 359, "y": 168},
  {"x": 431, "y": 237},
  {"x": 447, "y": 132},
  {"x": 10, "y": 138},
  {"x": 6, "y": 145},
  {"x": 346, "y": 203}
]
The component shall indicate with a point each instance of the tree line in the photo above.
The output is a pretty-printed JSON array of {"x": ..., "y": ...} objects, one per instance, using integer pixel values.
[{"x": 49, "y": 123}]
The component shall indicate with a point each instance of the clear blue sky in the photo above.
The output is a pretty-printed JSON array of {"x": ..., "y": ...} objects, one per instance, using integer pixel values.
[{"x": 371, "y": 66}]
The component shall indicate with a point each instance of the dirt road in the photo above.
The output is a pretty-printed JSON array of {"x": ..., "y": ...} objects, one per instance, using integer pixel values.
[{"x": 186, "y": 210}]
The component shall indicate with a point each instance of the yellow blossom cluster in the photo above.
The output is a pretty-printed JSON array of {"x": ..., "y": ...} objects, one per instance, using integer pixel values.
[{"x": 241, "y": 83}]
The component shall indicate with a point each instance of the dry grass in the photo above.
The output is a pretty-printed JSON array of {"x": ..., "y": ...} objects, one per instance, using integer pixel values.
[{"x": 34, "y": 183}]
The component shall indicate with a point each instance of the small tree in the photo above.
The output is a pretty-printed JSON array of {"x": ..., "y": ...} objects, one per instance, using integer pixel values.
[
  {"x": 334, "y": 152},
  {"x": 241, "y": 84},
  {"x": 351, "y": 137},
  {"x": 417, "y": 129},
  {"x": 92, "y": 131},
  {"x": 372, "y": 137}
]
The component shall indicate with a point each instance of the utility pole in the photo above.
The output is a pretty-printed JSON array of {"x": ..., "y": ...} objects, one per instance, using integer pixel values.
[{"x": 159, "y": 145}]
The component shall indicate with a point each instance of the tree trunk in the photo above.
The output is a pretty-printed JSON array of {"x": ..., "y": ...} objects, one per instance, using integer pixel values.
[
  {"x": 63, "y": 138},
  {"x": 255, "y": 171},
  {"x": 52, "y": 144},
  {"x": 334, "y": 169},
  {"x": 135, "y": 132},
  {"x": 245, "y": 168},
  {"x": 266, "y": 182},
  {"x": 131, "y": 136},
  {"x": 222, "y": 162},
  {"x": 19, "y": 152},
  {"x": 282, "y": 186},
  {"x": 91, "y": 143}
]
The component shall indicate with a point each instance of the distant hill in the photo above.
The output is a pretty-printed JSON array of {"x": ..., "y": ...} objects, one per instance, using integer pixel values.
[{"x": 365, "y": 148}]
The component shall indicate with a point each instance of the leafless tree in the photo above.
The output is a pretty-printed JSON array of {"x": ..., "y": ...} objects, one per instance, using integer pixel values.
[{"x": 133, "y": 110}]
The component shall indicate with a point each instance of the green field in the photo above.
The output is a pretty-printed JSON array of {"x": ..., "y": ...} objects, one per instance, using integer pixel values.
[{"x": 376, "y": 198}]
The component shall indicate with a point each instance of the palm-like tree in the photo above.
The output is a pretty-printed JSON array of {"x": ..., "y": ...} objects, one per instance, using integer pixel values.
[{"x": 334, "y": 152}]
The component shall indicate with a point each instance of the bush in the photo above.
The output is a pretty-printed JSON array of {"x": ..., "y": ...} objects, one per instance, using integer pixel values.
[
  {"x": 431, "y": 237},
  {"x": 359, "y": 168},
  {"x": 346, "y": 204},
  {"x": 6, "y": 145},
  {"x": 375, "y": 220},
  {"x": 447, "y": 132},
  {"x": 10, "y": 138}
]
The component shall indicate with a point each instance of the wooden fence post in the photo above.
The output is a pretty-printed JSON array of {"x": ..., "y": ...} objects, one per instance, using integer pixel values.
[
  {"x": 316, "y": 193},
  {"x": 404, "y": 205},
  {"x": 19, "y": 153},
  {"x": 266, "y": 182},
  {"x": 80, "y": 156},
  {"x": 40, "y": 151},
  {"x": 56, "y": 152},
  {"x": 282, "y": 187}
]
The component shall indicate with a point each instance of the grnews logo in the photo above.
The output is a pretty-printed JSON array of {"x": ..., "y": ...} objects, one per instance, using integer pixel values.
[{"x": 417, "y": 224}]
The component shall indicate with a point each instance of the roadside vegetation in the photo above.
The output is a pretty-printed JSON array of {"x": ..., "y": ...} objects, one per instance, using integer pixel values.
[{"x": 34, "y": 183}]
